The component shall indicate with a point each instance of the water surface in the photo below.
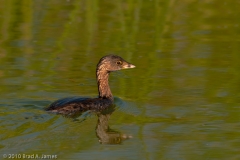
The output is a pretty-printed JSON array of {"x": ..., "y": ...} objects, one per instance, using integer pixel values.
[{"x": 180, "y": 102}]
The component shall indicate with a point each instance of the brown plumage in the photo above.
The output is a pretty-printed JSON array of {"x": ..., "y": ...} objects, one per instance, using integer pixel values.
[{"x": 73, "y": 105}]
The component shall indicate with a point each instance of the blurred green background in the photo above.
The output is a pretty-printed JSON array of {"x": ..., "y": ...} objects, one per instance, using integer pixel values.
[{"x": 180, "y": 102}]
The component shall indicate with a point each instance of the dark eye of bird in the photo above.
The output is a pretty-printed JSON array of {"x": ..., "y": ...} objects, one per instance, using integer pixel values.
[{"x": 119, "y": 62}]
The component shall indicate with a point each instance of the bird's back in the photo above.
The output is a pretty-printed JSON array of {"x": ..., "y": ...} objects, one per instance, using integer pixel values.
[{"x": 71, "y": 105}]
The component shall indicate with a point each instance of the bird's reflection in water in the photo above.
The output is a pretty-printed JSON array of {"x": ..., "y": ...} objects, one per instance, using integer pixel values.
[{"x": 103, "y": 131}]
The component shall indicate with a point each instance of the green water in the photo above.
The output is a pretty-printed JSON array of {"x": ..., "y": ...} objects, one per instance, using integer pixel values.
[{"x": 181, "y": 102}]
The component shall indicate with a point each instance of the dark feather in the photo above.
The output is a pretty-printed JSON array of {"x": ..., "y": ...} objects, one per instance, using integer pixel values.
[{"x": 70, "y": 105}]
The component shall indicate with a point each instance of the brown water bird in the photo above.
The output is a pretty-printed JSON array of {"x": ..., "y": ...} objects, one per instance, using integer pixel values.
[{"x": 72, "y": 105}]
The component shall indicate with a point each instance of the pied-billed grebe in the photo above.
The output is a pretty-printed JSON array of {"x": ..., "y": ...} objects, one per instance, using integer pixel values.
[{"x": 107, "y": 64}]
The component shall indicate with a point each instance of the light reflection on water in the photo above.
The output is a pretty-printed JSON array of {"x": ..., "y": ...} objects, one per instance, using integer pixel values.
[{"x": 180, "y": 102}]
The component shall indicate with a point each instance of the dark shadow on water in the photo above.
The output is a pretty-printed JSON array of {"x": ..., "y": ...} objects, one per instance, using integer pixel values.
[{"x": 127, "y": 106}]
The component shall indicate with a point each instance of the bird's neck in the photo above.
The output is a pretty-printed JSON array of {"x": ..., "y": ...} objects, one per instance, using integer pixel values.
[{"x": 103, "y": 85}]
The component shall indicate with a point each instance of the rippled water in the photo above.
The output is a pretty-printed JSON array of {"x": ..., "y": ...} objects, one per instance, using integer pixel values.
[{"x": 180, "y": 102}]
